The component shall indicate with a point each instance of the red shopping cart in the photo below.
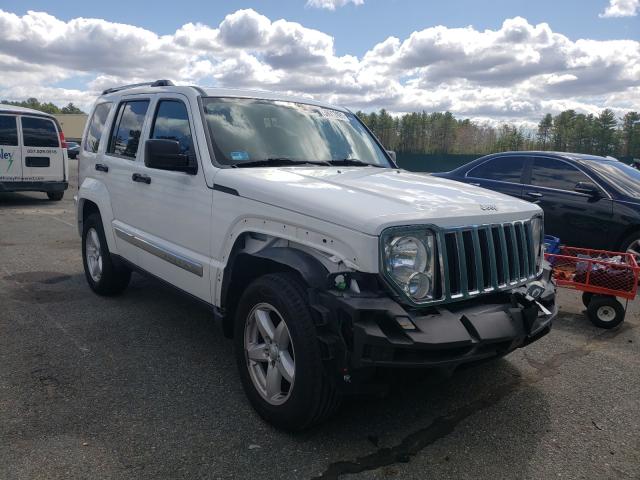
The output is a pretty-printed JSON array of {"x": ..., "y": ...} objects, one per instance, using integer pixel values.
[{"x": 601, "y": 276}]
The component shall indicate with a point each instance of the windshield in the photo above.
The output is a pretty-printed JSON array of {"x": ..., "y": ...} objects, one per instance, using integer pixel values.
[
  {"x": 247, "y": 130},
  {"x": 620, "y": 176}
]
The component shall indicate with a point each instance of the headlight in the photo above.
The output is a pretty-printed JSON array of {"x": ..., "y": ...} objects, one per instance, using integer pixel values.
[
  {"x": 408, "y": 261},
  {"x": 537, "y": 232}
]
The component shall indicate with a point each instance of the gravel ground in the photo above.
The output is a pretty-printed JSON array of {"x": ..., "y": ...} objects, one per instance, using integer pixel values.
[{"x": 145, "y": 386}]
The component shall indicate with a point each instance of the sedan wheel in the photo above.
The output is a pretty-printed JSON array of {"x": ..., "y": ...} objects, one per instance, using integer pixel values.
[{"x": 634, "y": 248}]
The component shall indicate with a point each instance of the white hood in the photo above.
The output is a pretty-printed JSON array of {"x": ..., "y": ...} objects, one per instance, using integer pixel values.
[{"x": 369, "y": 199}]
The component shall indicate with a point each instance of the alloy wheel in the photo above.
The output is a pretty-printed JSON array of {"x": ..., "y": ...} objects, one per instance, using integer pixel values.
[
  {"x": 269, "y": 354},
  {"x": 93, "y": 253}
]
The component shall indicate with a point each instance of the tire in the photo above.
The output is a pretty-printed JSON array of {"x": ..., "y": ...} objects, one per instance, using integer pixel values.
[
  {"x": 605, "y": 312},
  {"x": 586, "y": 298},
  {"x": 55, "y": 196},
  {"x": 112, "y": 277},
  {"x": 310, "y": 397},
  {"x": 631, "y": 244}
]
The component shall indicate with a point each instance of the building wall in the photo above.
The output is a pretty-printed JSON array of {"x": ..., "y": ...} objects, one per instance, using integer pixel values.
[{"x": 72, "y": 125}]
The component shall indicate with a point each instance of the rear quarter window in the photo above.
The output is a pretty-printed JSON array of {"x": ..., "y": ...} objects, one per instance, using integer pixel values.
[
  {"x": 39, "y": 132},
  {"x": 8, "y": 130},
  {"x": 96, "y": 127}
]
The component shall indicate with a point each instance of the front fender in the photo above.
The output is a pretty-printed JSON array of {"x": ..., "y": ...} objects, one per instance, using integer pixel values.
[{"x": 95, "y": 191}]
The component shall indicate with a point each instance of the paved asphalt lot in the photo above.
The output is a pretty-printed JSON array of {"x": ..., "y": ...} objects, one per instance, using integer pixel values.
[{"x": 144, "y": 386}]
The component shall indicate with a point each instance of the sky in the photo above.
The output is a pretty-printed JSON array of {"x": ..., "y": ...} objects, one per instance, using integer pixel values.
[{"x": 499, "y": 60}]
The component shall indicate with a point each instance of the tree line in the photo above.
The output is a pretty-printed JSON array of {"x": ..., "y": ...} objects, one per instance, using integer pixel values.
[
  {"x": 441, "y": 133},
  {"x": 47, "y": 107}
]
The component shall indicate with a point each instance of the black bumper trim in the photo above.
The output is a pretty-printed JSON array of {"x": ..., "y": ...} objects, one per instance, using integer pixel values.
[
  {"x": 444, "y": 336},
  {"x": 43, "y": 186}
]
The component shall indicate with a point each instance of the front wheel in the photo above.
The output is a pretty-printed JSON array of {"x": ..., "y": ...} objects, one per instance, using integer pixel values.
[
  {"x": 605, "y": 312},
  {"x": 278, "y": 354},
  {"x": 105, "y": 275},
  {"x": 631, "y": 244}
]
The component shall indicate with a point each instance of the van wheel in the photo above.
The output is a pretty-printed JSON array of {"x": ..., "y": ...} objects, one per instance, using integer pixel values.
[
  {"x": 55, "y": 196},
  {"x": 105, "y": 275},
  {"x": 278, "y": 354}
]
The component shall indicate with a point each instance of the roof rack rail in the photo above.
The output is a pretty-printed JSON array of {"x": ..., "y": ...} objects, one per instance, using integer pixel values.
[{"x": 156, "y": 83}]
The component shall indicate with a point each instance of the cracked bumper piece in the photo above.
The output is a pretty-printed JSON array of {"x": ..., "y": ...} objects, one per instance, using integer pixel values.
[{"x": 386, "y": 334}]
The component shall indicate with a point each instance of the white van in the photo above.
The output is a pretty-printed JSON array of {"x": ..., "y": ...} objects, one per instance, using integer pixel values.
[{"x": 33, "y": 155}]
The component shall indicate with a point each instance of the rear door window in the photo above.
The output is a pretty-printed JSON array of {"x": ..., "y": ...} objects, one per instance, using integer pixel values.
[
  {"x": 39, "y": 132},
  {"x": 504, "y": 169},
  {"x": 127, "y": 128},
  {"x": 8, "y": 130},
  {"x": 552, "y": 173},
  {"x": 172, "y": 123},
  {"x": 96, "y": 127}
]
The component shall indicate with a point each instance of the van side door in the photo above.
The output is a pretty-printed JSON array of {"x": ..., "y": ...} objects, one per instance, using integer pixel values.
[{"x": 10, "y": 151}]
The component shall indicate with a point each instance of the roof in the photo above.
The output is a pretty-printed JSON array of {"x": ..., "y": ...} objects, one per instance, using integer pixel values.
[
  {"x": 267, "y": 95},
  {"x": 219, "y": 92},
  {"x": 22, "y": 110},
  {"x": 570, "y": 155}
]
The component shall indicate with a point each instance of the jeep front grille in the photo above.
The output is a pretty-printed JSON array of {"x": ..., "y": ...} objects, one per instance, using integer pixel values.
[{"x": 485, "y": 258}]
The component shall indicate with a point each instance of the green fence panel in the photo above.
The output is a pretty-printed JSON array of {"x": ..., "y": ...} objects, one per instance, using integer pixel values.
[{"x": 417, "y": 162}]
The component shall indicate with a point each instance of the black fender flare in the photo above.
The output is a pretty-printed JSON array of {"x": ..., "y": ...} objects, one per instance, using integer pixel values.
[{"x": 312, "y": 271}]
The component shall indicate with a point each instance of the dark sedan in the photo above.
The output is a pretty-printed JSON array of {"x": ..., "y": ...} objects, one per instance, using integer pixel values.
[
  {"x": 588, "y": 201},
  {"x": 73, "y": 148}
]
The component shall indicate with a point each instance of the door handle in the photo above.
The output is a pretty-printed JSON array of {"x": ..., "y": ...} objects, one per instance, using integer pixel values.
[
  {"x": 101, "y": 167},
  {"x": 137, "y": 177},
  {"x": 534, "y": 194}
]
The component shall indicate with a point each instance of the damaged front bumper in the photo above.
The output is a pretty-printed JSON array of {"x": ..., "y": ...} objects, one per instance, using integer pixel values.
[{"x": 377, "y": 331}]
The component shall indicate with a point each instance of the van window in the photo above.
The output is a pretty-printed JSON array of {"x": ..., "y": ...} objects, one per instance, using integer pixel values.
[
  {"x": 127, "y": 128},
  {"x": 96, "y": 126},
  {"x": 172, "y": 123},
  {"x": 39, "y": 132},
  {"x": 8, "y": 130}
]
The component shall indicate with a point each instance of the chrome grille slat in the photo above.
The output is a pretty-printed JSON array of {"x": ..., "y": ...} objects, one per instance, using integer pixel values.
[
  {"x": 462, "y": 262},
  {"x": 492, "y": 258},
  {"x": 467, "y": 272},
  {"x": 478, "y": 260}
]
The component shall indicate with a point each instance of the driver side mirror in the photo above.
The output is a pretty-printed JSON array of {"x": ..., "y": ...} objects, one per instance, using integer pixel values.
[
  {"x": 165, "y": 154},
  {"x": 588, "y": 188},
  {"x": 392, "y": 154}
]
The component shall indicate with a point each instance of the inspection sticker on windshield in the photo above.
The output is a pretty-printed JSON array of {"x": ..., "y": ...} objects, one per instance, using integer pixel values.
[
  {"x": 239, "y": 156},
  {"x": 333, "y": 114}
]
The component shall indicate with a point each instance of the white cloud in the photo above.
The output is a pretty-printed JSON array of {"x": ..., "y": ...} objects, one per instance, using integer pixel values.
[
  {"x": 621, "y": 8},
  {"x": 516, "y": 72},
  {"x": 332, "y": 4}
]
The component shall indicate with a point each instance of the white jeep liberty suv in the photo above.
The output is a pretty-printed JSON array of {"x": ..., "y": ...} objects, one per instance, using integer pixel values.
[{"x": 323, "y": 260}]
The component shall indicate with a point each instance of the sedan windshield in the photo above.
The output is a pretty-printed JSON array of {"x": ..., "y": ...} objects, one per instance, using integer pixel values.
[
  {"x": 258, "y": 132},
  {"x": 620, "y": 176}
]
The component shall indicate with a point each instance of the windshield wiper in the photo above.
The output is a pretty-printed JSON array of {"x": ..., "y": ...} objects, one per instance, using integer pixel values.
[
  {"x": 353, "y": 162},
  {"x": 277, "y": 162}
]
